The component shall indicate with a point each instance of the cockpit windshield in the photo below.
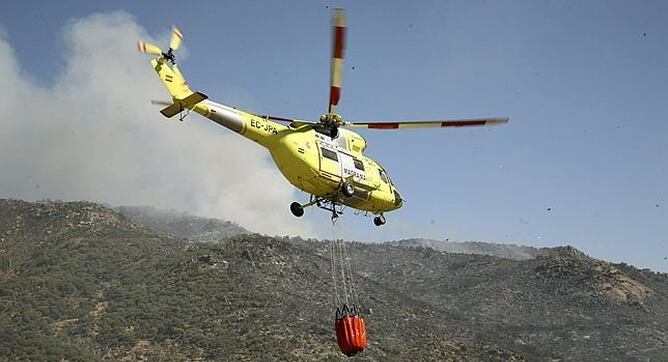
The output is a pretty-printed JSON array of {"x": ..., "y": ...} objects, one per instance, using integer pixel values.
[{"x": 383, "y": 176}]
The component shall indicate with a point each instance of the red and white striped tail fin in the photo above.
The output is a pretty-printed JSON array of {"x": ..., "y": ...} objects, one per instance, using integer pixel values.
[{"x": 339, "y": 44}]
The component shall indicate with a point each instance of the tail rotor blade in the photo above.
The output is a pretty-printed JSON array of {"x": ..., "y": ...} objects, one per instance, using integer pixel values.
[
  {"x": 156, "y": 102},
  {"x": 175, "y": 40},
  {"x": 338, "y": 47},
  {"x": 149, "y": 48}
]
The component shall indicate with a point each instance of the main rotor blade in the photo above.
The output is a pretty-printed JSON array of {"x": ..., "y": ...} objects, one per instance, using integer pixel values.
[
  {"x": 294, "y": 123},
  {"x": 338, "y": 47},
  {"x": 279, "y": 119},
  {"x": 428, "y": 124},
  {"x": 175, "y": 40},
  {"x": 148, "y": 48}
]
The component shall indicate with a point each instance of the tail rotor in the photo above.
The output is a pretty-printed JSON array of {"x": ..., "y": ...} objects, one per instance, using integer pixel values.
[{"x": 174, "y": 43}]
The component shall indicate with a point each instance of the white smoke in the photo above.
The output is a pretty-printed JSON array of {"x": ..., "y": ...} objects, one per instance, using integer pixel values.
[{"x": 93, "y": 135}]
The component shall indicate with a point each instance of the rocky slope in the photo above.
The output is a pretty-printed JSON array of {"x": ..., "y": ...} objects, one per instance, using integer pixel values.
[
  {"x": 563, "y": 305},
  {"x": 82, "y": 281}
]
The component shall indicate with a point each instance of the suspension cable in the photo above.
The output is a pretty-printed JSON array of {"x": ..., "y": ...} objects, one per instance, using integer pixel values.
[
  {"x": 341, "y": 263},
  {"x": 350, "y": 275},
  {"x": 339, "y": 243},
  {"x": 332, "y": 262}
]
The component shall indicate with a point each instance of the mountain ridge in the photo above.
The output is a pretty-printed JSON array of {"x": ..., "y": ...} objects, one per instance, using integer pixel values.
[{"x": 83, "y": 281}]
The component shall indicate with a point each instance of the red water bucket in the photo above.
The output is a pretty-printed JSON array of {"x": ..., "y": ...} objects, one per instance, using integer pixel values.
[{"x": 351, "y": 334}]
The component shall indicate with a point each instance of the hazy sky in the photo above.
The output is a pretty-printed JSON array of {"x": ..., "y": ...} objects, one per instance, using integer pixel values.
[{"x": 583, "y": 160}]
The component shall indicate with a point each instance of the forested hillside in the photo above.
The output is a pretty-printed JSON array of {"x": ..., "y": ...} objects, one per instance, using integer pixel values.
[{"x": 83, "y": 281}]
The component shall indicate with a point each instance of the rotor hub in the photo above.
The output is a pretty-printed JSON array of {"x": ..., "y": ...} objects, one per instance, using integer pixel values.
[
  {"x": 331, "y": 119},
  {"x": 169, "y": 56}
]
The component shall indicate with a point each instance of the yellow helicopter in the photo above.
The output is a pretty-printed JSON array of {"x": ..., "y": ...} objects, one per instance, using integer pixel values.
[{"x": 322, "y": 158}]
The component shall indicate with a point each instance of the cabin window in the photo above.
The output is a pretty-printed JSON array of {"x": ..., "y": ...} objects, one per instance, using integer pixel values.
[
  {"x": 329, "y": 154},
  {"x": 358, "y": 164},
  {"x": 383, "y": 176}
]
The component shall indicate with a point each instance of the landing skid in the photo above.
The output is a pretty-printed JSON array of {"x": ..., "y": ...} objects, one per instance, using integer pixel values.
[{"x": 329, "y": 204}]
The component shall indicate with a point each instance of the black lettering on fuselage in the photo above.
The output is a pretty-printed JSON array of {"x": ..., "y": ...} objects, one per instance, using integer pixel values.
[
  {"x": 256, "y": 123},
  {"x": 355, "y": 173}
]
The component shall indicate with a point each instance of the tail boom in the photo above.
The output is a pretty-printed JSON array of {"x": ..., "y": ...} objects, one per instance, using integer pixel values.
[{"x": 257, "y": 129}]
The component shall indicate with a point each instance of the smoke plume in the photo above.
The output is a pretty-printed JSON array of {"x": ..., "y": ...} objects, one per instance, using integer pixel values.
[{"x": 93, "y": 135}]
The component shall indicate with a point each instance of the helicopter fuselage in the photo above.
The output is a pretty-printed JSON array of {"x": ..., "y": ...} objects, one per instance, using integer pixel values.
[
  {"x": 320, "y": 158},
  {"x": 313, "y": 161}
]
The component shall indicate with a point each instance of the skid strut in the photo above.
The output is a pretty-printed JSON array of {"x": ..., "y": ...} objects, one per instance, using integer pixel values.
[
  {"x": 329, "y": 203},
  {"x": 325, "y": 203}
]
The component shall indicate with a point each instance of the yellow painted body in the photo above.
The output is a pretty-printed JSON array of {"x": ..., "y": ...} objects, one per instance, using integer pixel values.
[{"x": 300, "y": 152}]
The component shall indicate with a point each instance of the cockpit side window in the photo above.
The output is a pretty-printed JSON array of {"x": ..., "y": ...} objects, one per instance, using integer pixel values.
[{"x": 358, "y": 164}]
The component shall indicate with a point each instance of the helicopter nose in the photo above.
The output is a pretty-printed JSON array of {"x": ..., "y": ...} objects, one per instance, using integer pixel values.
[{"x": 398, "y": 201}]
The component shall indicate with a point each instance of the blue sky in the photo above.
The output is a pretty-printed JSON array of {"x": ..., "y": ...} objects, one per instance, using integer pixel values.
[{"x": 583, "y": 160}]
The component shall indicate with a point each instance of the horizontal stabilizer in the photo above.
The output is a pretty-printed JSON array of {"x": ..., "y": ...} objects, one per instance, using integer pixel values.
[{"x": 180, "y": 104}]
